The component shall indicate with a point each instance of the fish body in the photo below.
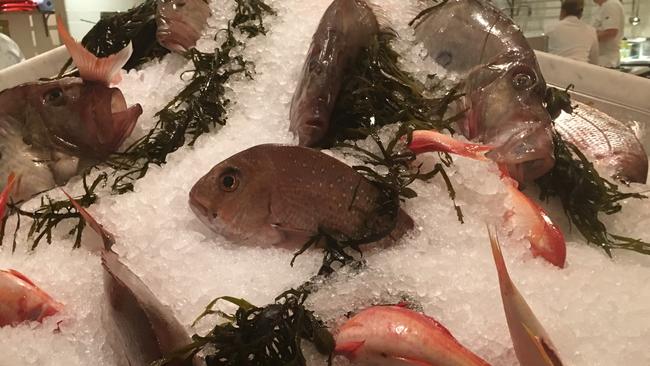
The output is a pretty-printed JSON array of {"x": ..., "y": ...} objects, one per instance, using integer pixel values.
[
  {"x": 344, "y": 30},
  {"x": 397, "y": 336},
  {"x": 283, "y": 195},
  {"x": 21, "y": 300},
  {"x": 532, "y": 344},
  {"x": 51, "y": 131},
  {"x": 504, "y": 87},
  {"x": 609, "y": 143},
  {"x": 180, "y": 23}
]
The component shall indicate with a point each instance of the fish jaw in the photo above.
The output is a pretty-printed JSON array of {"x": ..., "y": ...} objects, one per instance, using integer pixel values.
[
  {"x": 527, "y": 153},
  {"x": 21, "y": 300},
  {"x": 533, "y": 346},
  {"x": 397, "y": 336}
]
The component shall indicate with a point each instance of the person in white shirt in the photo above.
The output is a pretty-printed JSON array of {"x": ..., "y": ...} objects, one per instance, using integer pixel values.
[
  {"x": 10, "y": 53},
  {"x": 572, "y": 37},
  {"x": 610, "y": 24}
]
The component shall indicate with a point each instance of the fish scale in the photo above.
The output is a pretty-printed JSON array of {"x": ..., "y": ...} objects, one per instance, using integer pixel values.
[
  {"x": 608, "y": 142},
  {"x": 286, "y": 194}
]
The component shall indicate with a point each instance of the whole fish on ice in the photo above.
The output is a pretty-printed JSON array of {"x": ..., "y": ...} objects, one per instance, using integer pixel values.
[
  {"x": 51, "y": 131},
  {"x": 344, "y": 30},
  {"x": 397, "y": 336},
  {"x": 283, "y": 195},
  {"x": 180, "y": 23},
  {"x": 21, "y": 300},
  {"x": 607, "y": 142},
  {"x": 504, "y": 88}
]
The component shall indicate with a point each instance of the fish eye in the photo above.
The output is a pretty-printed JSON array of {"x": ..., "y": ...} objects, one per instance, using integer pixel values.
[
  {"x": 54, "y": 97},
  {"x": 523, "y": 79},
  {"x": 229, "y": 181}
]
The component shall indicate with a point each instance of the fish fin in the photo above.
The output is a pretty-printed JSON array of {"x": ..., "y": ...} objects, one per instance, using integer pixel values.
[
  {"x": 548, "y": 354},
  {"x": 433, "y": 141},
  {"x": 411, "y": 361},
  {"x": 92, "y": 68},
  {"x": 4, "y": 196},
  {"x": 21, "y": 276},
  {"x": 106, "y": 236},
  {"x": 349, "y": 349},
  {"x": 504, "y": 278}
]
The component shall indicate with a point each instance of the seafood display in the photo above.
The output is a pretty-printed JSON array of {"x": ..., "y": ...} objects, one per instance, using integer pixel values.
[
  {"x": 504, "y": 88},
  {"x": 246, "y": 222}
]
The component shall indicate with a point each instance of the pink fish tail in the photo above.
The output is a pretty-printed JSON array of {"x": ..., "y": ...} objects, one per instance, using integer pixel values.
[{"x": 433, "y": 141}]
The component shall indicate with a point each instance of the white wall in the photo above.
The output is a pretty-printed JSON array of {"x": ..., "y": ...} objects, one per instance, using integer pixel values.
[
  {"x": 28, "y": 30},
  {"x": 83, "y": 14}
]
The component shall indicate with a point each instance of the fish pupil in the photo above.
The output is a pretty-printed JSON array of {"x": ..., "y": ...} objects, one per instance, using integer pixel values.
[{"x": 55, "y": 97}]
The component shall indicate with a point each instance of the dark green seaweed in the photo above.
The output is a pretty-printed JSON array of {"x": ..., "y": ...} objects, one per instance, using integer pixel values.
[{"x": 259, "y": 336}]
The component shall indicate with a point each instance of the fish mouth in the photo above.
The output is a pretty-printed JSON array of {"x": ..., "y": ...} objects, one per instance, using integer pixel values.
[
  {"x": 528, "y": 154},
  {"x": 123, "y": 119}
]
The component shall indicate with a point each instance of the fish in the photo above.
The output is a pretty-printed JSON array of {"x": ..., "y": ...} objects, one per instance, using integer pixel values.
[
  {"x": 609, "y": 143},
  {"x": 282, "y": 195},
  {"x": 4, "y": 196},
  {"x": 21, "y": 300},
  {"x": 50, "y": 131},
  {"x": 504, "y": 89},
  {"x": 347, "y": 26},
  {"x": 398, "y": 336},
  {"x": 148, "y": 329},
  {"x": 545, "y": 238},
  {"x": 533, "y": 346},
  {"x": 180, "y": 23}
]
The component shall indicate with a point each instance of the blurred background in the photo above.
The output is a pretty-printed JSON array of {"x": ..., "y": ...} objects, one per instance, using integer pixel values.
[{"x": 32, "y": 25}]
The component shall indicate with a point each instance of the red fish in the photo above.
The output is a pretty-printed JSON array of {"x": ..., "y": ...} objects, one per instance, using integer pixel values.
[
  {"x": 546, "y": 239},
  {"x": 21, "y": 300},
  {"x": 397, "y": 336}
]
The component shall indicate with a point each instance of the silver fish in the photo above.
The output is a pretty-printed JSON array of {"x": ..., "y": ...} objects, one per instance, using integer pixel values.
[
  {"x": 180, "y": 23},
  {"x": 609, "y": 143},
  {"x": 503, "y": 83},
  {"x": 283, "y": 195},
  {"x": 344, "y": 30}
]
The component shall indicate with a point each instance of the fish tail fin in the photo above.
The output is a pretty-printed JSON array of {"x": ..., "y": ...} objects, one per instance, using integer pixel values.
[
  {"x": 92, "y": 68},
  {"x": 106, "y": 236},
  {"x": 4, "y": 196},
  {"x": 499, "y": 262}
]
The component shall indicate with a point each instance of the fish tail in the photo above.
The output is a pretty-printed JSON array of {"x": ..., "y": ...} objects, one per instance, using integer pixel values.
[{"x": 92, "y": 68}]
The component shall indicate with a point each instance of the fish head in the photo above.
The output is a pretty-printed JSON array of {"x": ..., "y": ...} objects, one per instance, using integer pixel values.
[
  {"x": 507, "y": 112},
  {"x": 179, "y": 23},
  {"x": 79, "y": 117},
  {"x": 234, "y": 197}
]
